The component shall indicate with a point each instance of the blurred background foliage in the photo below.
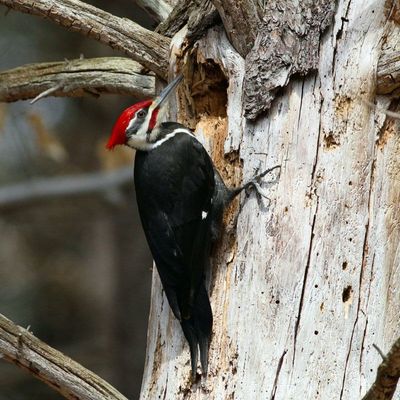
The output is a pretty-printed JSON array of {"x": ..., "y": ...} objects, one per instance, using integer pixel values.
[{"x": 75, "y": 270}]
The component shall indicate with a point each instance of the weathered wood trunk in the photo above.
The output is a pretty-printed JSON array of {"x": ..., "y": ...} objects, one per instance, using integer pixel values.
[{"x": 302, "y": 287}]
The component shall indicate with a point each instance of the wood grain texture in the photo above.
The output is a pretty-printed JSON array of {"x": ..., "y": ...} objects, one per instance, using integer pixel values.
[
  {"x": 287, "y": 43},
  {"x": 76, "y": 78},
  {"x": 146, "y": 47},
  {"x": 388, "y": 70},
  {"x": 71, "y": 380},
  {"x": 311, "y": 281}
]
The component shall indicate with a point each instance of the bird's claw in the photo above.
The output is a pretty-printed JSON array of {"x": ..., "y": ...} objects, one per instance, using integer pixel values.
[{"x": 256, "y": 185}]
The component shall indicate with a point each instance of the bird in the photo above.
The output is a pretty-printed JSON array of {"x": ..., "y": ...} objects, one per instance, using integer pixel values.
[{"x": 181, "y": 198}]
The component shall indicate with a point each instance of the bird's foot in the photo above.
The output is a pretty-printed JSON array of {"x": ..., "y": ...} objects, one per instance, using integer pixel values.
[{"x": 254, "y": 183}]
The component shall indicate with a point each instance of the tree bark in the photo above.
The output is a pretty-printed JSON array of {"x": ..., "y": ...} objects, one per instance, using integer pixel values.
[{"x": 303, "y": 287}]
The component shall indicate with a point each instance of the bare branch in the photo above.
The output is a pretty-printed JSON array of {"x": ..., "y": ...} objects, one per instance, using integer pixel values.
[
  {"x": 50, "y": 188},
  {"x": 157, "y": 9},
  {"x": 20, "y": 347},
  {"x": 147, "y": 47},
  {"x": 241, "y": 20},
  {"x": 76, "y": 78},
  {"x": 387, "y": 376}
]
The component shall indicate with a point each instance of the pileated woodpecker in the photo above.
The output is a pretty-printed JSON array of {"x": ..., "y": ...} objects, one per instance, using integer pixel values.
[{"x": 181, "y": 198}]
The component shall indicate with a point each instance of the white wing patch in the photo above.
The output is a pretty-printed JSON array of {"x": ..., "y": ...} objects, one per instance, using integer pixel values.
[{"x": 204, "y": 214}]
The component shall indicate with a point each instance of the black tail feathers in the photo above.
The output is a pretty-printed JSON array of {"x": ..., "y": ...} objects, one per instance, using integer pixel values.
[{"x": 197, "y": 329}]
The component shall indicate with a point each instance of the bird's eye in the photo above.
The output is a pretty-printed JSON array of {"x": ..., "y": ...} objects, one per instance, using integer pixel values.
[{"x": 141, "y": 114}]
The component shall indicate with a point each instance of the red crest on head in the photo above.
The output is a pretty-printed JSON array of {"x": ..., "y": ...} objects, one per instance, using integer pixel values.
[{"x": 118, "y": 132}]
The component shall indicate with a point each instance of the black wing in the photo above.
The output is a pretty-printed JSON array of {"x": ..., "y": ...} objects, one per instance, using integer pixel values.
[{"x": 174, "y": 188}]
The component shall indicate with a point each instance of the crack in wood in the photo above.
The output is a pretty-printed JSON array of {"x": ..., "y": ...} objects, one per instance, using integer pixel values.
[
  {"x": 278, "y": 371},
  {"x": 297, "y": 324},
  {"x": 362, "y": 266}
]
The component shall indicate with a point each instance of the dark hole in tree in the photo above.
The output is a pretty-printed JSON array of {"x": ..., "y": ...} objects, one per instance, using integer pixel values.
[{"x": 346, "y": 293}]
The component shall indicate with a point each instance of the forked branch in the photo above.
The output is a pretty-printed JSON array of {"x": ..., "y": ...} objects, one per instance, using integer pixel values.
[
  {"x": 76, "y": 78},
  {"x": 146, "y": 47},
  {"x": 22, "y": 348}
]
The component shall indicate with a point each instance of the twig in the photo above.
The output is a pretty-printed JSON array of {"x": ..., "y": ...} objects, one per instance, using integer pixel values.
[
  {"x": 50, "y": 188},
  {"x": 389, "y": 113},
  {"x": 76, "y": 78},
  {"x": 73, "y": 381},
  {"x": 147, "y": 47},
  {"x": 387, "y": 375},
  {"x": 48, "y": 92}
]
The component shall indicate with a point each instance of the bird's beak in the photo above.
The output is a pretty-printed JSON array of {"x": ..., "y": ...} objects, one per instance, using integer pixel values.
[{"x": 166, "y": 92}]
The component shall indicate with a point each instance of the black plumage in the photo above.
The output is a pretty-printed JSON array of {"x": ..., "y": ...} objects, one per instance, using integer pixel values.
[{"x": 175, "y": 185}]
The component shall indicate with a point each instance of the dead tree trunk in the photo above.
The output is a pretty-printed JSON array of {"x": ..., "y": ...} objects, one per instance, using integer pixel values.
[{"x": 302, "y": 287}]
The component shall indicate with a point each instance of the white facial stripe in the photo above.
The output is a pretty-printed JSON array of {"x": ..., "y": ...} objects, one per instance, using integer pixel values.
[
  {"x": 139, "y": 141},
  {"x": 131, "y": 122}
]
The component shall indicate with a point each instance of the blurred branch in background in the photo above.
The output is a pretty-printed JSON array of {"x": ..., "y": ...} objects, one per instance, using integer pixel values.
[
  {"x": 50, "y": 188},
  {"x": 158, "y": 10},
  {"x": 20, "y": 347},
  {"x": 142, "y": 45},
  {"x": 76, "y": 78}
]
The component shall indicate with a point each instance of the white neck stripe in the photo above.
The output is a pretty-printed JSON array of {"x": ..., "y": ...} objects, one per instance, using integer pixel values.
[{"x": 169, "y": 136}]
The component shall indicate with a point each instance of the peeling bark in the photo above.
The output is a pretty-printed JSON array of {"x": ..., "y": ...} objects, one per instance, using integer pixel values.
[{"x": 287, "y": 43}]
